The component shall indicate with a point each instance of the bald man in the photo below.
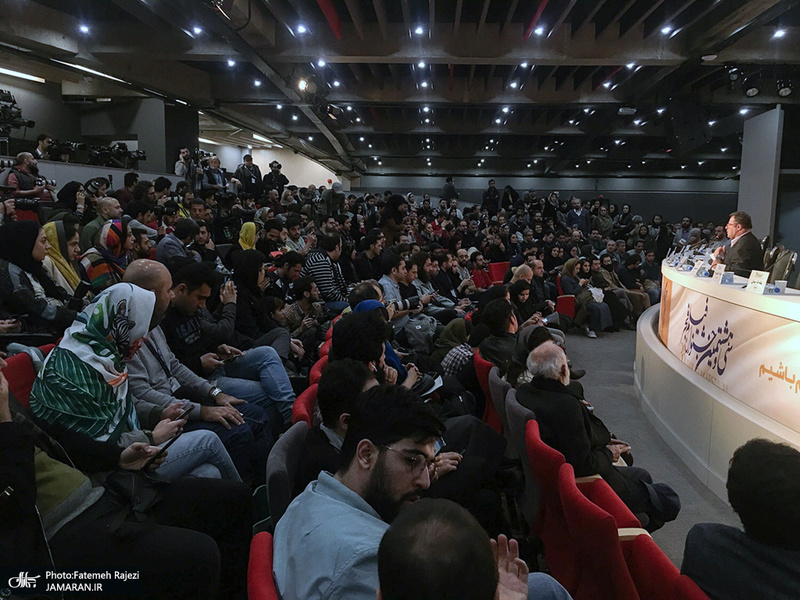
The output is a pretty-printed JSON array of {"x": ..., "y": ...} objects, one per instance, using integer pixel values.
[
  {"x": 107, "y": 208},
  {"x": 23, "y": 178}
]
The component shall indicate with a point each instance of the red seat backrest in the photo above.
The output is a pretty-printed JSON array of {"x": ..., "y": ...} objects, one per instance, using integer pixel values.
[
  {"x": 325, "y": 348},
  {"x": 260, "y": 580},
  {"x": 316, "y": 370},
  {"x": 303, "y": 407},
  {"x": 490, "y": 416},
  {"x": 20, "y": 375},
  {"x": 603, "y": 571},
  {"x": 497, "y": 271}
]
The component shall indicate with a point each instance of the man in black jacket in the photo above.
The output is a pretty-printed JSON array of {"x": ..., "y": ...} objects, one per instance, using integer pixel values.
[
  {"x": 745, "y": 253},
  {"x": 568, "y": 426}
]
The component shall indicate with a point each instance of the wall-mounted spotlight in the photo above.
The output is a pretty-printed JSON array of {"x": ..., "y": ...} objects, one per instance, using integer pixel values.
[
  {"x": 785, "y": 86},
  {"x": 751, "y": 86}
]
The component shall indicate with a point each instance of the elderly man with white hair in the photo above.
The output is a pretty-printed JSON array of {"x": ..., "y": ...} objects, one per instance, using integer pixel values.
[{"x": 567, "y": 425}]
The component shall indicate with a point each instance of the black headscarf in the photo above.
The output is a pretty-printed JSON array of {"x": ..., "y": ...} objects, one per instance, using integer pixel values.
[
  {"x": 67, "y": 195},
  {"x": 17, "y": 240},
  {"x": 246, "y": 267}
]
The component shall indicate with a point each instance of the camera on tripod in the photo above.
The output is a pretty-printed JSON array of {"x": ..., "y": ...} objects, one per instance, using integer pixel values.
[
  {"x": 7, "y": 164},
  {"x": 11, "y": 114},
  {"x": 58, "y": 148},
  {"x": 117, "y": 155},
  {"x": 200, "y": 156}
]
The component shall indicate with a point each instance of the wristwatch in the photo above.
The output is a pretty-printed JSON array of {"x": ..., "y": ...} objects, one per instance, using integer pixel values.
[
  {"x": 150, "y": 439},
  {"x": 214, "y": 393}
]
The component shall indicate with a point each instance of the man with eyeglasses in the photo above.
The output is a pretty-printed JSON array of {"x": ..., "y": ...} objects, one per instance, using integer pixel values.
[{"x": 326, "y": 544}]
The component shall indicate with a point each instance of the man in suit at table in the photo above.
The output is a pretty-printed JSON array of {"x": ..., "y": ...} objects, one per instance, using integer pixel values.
[{"x": 745, "y": 253}]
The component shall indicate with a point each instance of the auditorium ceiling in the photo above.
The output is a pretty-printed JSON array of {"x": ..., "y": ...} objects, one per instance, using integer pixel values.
[{"x": 411, "y": 87}]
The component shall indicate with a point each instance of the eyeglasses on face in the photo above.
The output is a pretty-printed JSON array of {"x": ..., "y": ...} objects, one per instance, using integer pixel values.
[{"x": 416, "y": 463}]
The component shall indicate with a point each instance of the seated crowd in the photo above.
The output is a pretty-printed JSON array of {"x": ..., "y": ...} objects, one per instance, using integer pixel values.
[{"x": 192, "y": 320}]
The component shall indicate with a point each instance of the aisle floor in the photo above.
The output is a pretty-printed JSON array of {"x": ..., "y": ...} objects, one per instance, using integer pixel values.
[{"x": 608, "y": 384}]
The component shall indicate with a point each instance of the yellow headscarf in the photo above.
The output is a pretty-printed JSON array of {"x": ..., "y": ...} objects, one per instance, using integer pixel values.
[
  {"x": 57, "y": 237},
  {"x": 247, "y": 236}
]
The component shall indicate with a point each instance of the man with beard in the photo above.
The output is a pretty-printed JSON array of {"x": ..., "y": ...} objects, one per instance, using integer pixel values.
[
  {"x": 387, "y": 459},
  {"x": 23, "y": 178}
]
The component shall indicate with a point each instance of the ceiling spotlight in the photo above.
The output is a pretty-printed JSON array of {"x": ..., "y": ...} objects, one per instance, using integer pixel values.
[
  {"x": 421, "y": 64},
  {"x": 630, "y": 66},
  {"x": 779, "y": 33},
  {"x": 302, "y": 28},
  {"x": 85, "y": 29},
  {"x": 606, "y": 84},
  {"x": 294, "y": 117},
  {"x": 536, "y": 161},
  {"x": 683, "y": 166},
  {"x": 700, "y": 162},
  {"x": 666, "y": 30},
  {"x": 336, "y": 83},
  {"x": 514, "y": 84},
  {"x": 524, "y": 65},
  {"x": 302, "y": 85},
  {"x": 380, "y": 162},
  {"x": 321, "y": 62},
  {"x": 311, "y": 138},
  {"x": 426, "y": 109},
  {"x": 231, "y": 62},
  {"x": 529, "y": 165},
  {"x": 424, "y": 84},
  {"x": 279, "y": 106},
  {"x": 197, "y": 30},
  {"x": 661, "y": 111},
  {"x": 358, "y": 119},
  {"x": 711, "y": 123},
  {"x": 723, "y": 149},
  {"x": 361, "y": 139},
  {"x": 370, "y": 146},
  {"x": 349, "y": 108},
  {"x": 744, "y": 111},
  {"x": 572, "y": 121},
  {"x": 785, "y": 87},
  {"x": 637, "y": 122},
  {"x": 751, "y": 86},
  {"x": 617, "y": 142},
  {"x": 491, "y": 141},
  {"x": 427, "y": 140},
  {"x": 427, "y": 120},
  {"x": 539, "y": 30},
  {"x": 497, "y": 121},
  {"x": 547, "y": 148},
  {"x": 257, "y": 82},
  {"x": 419, "y": 30},
  {"x": 505, "y": 109}
]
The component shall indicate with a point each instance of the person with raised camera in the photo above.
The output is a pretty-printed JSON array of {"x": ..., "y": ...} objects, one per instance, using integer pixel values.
[
  {"x": 188, "y": 168},
  {"x": 25, "y": 180},
  {"x": 275, "y": 180}
]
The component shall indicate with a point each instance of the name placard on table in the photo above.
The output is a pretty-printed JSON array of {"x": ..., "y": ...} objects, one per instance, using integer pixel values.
[{"x": 757, "y": 282}]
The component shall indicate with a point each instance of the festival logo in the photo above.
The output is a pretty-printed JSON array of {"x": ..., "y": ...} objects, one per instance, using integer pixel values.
[{"x": 705, "y": 347}]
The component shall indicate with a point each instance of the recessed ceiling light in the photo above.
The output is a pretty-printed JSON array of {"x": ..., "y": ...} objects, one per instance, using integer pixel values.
[
  {"x": 231, "y": 62},
  {"x": 617, "y": 142},
  {"x": 524, "y": 65},
  {"x": 358, "y": 119},
  {"x": 505, "y": 109},
  {"x": 419, "y": 30},
  {"x": 427, "y": 140},
  {"x": 349, "y": 108},
  {"x": 779, "y": 33},
  {"x": 321, "y": 62},
  {"x": 529, "y": 165},
  {"x": 606, "y": 84},
  {"x": 547, "y": 147},
  {"x": 637, "y": 122},
  {"x": 424, "y": 84},
  {"x": 336, "y": 83},
  {"x": 514, "y": 84},
  {"x": 536, "y": 161},
  {"x": 711, "y": 123},
  {"x": 427, "y": 120},
  {"x": 666, "y": 30},
  {"x": 311, "y": 138},
  {"x": 426, "y": 109},
  {"x": 257, "y": 82},
  {"x": 84, "y": 28},
  {"x": 497, "y": 121},
  {"x": 279, "y": 106},
  {"x": 370, "y": 146},
  {"x": 197, "y": 30},
  {"x": 586, "y": 110},
  {"x": 421, "y": 64},
  {"x": 380, "y": 162},
  {"x": 734, "y": 168},
  {"x": 744, "y": 111},
  {"x": 539, "y": 30},
  {"x": 491, "y": 141},
  {"x": 572, "y": 121},
  {"x": 630, "y": 66},
  {"x": 683, "y": 166},
  {"x": 302, "y": 28},
  {"x": 294, "y": 117},
  {"x": 723, "y": 149},
  {"x": 361, "y": 139},
  {"x": 661, "y": 111}
]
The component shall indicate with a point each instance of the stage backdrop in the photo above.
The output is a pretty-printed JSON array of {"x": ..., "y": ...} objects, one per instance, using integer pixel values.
[{"x": 751, "y": 355}]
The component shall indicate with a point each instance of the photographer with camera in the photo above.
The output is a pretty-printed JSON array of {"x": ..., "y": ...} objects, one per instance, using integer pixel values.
[
  {"x": 275, "y": 180},
  {"x": 27, "y": 184},
  {"x": 43, "y": 143},
  {"x": 188, "y": 168}
]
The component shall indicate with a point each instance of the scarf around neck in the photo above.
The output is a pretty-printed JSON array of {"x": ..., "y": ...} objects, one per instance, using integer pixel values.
[{"x": 83, "y": 384}]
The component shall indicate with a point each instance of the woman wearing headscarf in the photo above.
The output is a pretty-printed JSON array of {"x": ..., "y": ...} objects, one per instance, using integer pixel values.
[
  {"x": 392, "y": 218},
  {"x": 248, "y": 236},
  {"x": 589, "y": 313},
  {"x": 105, "y": 264},
  {"x": 456, "y": 333},
  {"x": 83, "y": 387},
  {"x": 64, "y": 248},
  {"x": 520, "y": 296},
  {"x": 71, "y": 200},
  {"x": 252, "y": 315},
  {"x": 25, "y": 286}
]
